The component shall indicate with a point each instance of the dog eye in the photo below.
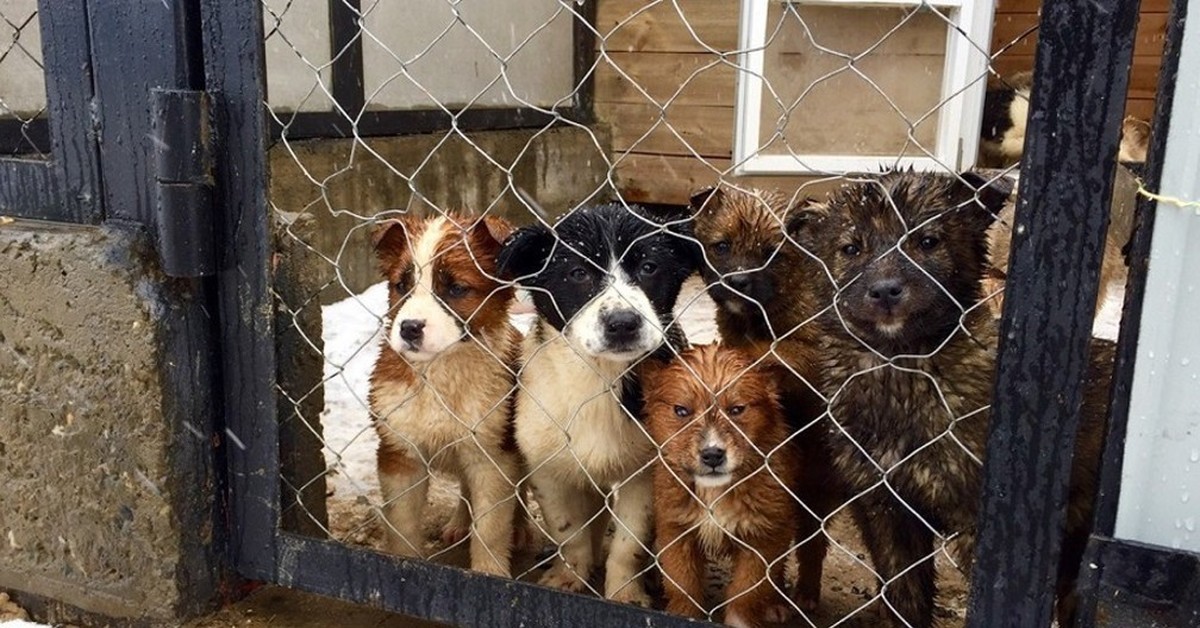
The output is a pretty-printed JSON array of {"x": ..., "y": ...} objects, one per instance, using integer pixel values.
[
  {"x": 457, "y": 291},
  {"x": 579, "y": 275},
  {"x": 928, "y": 243},
  {"x": 682, "y": 412},
  {"x": 648, "y": 268},
  {"x": 721, "y": 248},
  {"x": 851, "y": 250},
  {"x": 735, "y": 410}
]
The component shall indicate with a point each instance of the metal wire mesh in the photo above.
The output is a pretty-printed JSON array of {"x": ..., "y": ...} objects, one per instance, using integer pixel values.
[
  {"x": 22, "y": 87},
  {"x": 467, "y": 405}
]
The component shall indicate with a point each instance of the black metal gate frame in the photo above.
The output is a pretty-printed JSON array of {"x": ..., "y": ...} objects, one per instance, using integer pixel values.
[{"x": 1083, "y": 59}]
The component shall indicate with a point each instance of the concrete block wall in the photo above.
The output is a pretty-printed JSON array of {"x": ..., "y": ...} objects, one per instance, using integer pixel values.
[{"x": 107, "y": 490}]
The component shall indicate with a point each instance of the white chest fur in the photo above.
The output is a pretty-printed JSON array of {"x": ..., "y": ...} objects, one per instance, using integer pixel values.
[
  {"x": 569, "y": 414},
  {"x": 455, "y": 401}
]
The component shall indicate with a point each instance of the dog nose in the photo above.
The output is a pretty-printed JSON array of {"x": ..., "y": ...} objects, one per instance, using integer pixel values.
[
  {"x": 886, "y": 292},
  {"x": 740, "y": 282},
  {"x": 412, "y": 330},
  {"x": 622, "y": 323},
  {"x": 712, "y": 456}
]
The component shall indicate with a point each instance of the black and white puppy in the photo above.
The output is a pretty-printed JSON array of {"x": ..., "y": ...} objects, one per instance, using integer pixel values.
[{"x": 604, "y": 280}]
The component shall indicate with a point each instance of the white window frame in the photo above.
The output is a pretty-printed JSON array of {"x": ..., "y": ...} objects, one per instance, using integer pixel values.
[{"x": 963, "y": 88}]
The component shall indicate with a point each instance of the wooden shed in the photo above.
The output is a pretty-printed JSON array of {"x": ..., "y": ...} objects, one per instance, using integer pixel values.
[{"x": 667, "y": 85}]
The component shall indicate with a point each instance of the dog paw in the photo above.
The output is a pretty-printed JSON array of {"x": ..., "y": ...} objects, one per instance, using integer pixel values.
[
  {"x": 562, "y": 577},
  {"x": 454, "y": 533},
  {"x": 807, "y": 603},
  {"x": 780, "y": 613},
  {"x": 632, "y": 594}
]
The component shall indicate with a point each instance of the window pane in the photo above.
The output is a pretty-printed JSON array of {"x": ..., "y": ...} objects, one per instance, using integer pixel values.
[
  {"x": 851, "y": 80},
  {"x": 451, "y": 64}
]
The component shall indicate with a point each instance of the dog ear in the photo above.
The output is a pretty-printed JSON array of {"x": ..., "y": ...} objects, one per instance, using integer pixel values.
[
  {"x": 525, "y": 252},
  {"x": 991, "y": 192},
  {"x": 488, "y": 234},
  {"x": 390, "y": 240},
  {"x": 804, "y": 214},
  {"x": 707, "y": 199}
]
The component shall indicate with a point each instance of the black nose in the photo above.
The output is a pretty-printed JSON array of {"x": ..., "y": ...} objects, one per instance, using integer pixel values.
[
  {"x": 740, "y": 282},
  {"x": 412, "y": 330},
  {"x": 712, "y": 456},
  {"x": 886, "y": 292},
  {"x": 622, "y": 323}
]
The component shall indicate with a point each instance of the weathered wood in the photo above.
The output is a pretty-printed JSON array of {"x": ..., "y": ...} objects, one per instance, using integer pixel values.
[
  {"x": 1152, "y": 31},
  {"x": 675, "y": 130},
  {"x": 684, "y": 79},
  {"x": 644, "y": 26},
  {"x": 643, "y": 178},
  {"x": 1033, "y": 6}
]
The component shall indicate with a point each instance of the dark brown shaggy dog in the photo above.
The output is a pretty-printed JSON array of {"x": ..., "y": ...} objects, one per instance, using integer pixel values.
[
  {"x": 910, "y": 375},
  {"x": 721, "y": 485},
  {"x": 768, "y": 291}
]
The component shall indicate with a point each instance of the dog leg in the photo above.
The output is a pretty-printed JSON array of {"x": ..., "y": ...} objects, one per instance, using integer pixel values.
[
  {"x": 404, "y": 482},
  {"x": 899, "y": 542},
  {"x": 459, "y": 525},
  {"x": 633, "y": 518},
  {"x": 682, "y": 563},
  {"x": 493, "y": 502},
  {"x": 757, "y": 589},
  {"x": 566, "y": 509}
]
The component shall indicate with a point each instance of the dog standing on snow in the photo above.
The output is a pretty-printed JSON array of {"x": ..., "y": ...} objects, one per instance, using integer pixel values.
[
  {"x": 604, "y": 282},
  {"x": 722, "y": 487},
  {"x": 441, "y": 386}
]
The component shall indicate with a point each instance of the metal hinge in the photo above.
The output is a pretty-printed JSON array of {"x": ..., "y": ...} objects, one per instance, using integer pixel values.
[{"x": 183, "y": 182}]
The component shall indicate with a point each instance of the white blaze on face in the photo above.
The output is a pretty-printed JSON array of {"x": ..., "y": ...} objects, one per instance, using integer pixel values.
[
  {"x": 586, "y": 329},
  {"x": 720, "y": 476},
  {"x": 441, "y": 330}
]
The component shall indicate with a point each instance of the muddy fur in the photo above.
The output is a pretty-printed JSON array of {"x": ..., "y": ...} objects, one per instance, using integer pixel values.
[
  {"x": 721, "y": 484},
  {"x": 909, "y": 365},
  {"x": 768, "y": 291}
]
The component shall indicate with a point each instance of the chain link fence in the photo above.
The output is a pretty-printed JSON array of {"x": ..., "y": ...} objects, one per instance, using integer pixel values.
[
  {"x": 22, "y": 87},
  {"x": 496, "y": 315}
]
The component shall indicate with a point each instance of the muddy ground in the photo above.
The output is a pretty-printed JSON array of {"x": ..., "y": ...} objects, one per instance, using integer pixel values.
[{"x": 848, "y": 586}]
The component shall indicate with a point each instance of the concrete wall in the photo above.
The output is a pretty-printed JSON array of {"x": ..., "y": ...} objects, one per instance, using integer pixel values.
[
  {"x": 342, "y": 185},
  {"x": 106, "y": 483}
]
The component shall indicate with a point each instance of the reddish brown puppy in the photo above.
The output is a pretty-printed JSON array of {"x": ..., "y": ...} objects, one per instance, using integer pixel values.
[
  {"x": 721, "y": 485},
  {"x": 439, "y": 392}
]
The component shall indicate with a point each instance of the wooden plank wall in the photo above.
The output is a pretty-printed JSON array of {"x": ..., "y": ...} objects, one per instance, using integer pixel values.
[
  {"x": 1015, "y": 53},
  {"x": 665, "y": 85}
]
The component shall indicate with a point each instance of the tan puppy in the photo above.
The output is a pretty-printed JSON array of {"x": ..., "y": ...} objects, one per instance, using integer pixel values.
[{"x": 440, "y": 390}]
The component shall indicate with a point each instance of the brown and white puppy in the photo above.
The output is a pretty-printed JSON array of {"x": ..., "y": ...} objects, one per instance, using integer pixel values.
[
  {"x": 722, "y": 482},
  {"x": 768, "y": 292},
  {"x": 909, "y": 366},
  {"x": 440, "y": 389}
]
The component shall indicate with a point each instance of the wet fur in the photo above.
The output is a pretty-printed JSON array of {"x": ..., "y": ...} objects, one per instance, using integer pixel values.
[
  {"x": 750, "y": 518},
  {"x": 782, "y": 289},
  {"x": 888, "y": 384},
  {"x": 578, "y": 409},
  {"x": 448, "y": 413}
]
